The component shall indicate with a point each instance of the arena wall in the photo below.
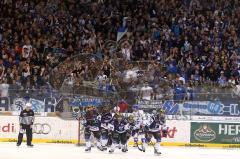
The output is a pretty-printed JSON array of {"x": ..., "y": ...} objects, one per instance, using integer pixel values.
[{"x": 180, "y": 132}]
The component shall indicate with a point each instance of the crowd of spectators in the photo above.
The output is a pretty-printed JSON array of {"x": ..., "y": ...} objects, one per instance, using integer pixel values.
[{"x": 168, "y": 46}]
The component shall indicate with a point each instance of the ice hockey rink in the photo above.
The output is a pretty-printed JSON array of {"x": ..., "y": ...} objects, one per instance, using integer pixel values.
[{"x": 69, "y": 151}]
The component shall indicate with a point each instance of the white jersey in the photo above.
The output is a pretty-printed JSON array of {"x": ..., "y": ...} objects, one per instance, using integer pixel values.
[
  {"x": 4, "y": 89},
  {"x": 146, "y": 92},
  {"x": 138, "y": 119}
]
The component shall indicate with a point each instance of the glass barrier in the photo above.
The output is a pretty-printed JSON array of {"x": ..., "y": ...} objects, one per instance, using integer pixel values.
[{"x": 69, "y": 99}]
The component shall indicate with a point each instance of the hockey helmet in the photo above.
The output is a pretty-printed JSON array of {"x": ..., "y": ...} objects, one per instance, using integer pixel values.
[
  {"x": 131, "y": 118},
  {"x": 89, "y": 108},
  {"x": 161, "y": 111},
  {"x": 106, "y": 109},
  {"x": 135, "y": 107},
  {"x": 28, "y": 105},
  {"x": 154, "y": 112},
  {"x": 118, "y": 116}
]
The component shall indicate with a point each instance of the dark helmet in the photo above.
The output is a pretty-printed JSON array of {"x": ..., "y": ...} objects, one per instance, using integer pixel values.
[
  {"x": 118, "y": 116},
  {"x": 106, "y": 109}
]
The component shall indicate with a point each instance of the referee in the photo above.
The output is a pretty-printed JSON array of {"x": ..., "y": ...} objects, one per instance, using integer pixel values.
[{"x": 26, "y": 120}]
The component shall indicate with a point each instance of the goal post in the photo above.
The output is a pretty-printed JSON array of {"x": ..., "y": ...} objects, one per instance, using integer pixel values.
[{"x": 79, "y": 132}]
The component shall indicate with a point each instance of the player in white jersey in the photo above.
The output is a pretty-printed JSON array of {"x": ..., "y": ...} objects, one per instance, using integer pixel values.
[{"x": 136, "y": 121}]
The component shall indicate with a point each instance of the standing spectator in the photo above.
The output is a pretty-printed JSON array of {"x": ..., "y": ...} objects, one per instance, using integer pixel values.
[
  {"x": 4, "y": 86},
  {"x": 126, "y": 52},
  {"x": 222, "y": 80},
  {"x": 27, "y": 50},
  {"x": 146, "y": 92},
  {"x": 101, "y": 78},
  {"x": 2, "y": 69},
  {"x": 179, "y": 91}
]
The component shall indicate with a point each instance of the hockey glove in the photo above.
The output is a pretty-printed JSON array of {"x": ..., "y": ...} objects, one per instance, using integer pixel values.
[
  {"x": 164, "y": 132},
  {"x": 110, "y": 127}
]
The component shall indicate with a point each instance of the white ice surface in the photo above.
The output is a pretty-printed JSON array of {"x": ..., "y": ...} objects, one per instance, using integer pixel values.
[{"x": 69, "y": 151}]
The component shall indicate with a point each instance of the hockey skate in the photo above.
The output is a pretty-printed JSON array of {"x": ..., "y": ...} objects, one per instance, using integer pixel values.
[
  {"x": 143, "y": 148},
  {"x": 100, "y": 148},
  {"x": 30, "y": 146},
  {"x": 104, "y": 148},
  {"x": 88, "y": 149},
  {"x": 157, "y": 152},
  {"x": 111, "y": 151},
  {"x": 124, "y": 150},
  {"x": 135, "y": 144}
]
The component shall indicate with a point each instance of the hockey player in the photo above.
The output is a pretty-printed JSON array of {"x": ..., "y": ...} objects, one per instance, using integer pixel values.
[
  {"x": 136, "y": 125},
  {"x": 120, "y": 132},
  {"x": 106, "y": 118},
  {"x": 92, "y": 126},
  {"x": 153, "y": 128}
]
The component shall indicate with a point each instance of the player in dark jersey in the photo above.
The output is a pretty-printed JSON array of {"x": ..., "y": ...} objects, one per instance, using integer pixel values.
[
  {"x": 153, "y": 128},
  {"x": 120, "y": 132},
  {"x": 92, "y": 125},
  {"x": 106, "y": 118}
]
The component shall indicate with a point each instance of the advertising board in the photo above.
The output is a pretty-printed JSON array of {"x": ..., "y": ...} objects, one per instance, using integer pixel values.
[{"x": 219, "y": 133}]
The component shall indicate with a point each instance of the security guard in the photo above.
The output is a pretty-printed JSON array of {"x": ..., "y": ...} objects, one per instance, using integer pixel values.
[{"x": 26, "y": 120}]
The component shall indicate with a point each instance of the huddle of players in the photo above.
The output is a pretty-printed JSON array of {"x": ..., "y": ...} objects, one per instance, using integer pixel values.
[{"x": 113, "y": 129}]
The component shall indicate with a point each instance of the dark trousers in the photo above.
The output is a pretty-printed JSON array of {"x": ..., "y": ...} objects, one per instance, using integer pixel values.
[
  {"x": 120, "y": 138},
  {"x": 87, "y": 134},
  {"x": 156, "y": 136},
  {"x": 28, "y": 130}
]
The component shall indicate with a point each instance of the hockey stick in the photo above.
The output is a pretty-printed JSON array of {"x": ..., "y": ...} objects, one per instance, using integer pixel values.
[{"x": 140, "y": 148}]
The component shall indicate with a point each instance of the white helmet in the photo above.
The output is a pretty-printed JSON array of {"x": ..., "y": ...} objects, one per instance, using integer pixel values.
[{"x": 28, "y": 105}]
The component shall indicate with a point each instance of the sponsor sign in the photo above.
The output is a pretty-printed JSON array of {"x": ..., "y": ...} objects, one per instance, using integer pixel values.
[
  {"x": 210, "y": 108},
  {"x": 171, "y": 108},
  {"x": 83, "y": 102},
  {"x": 178, "y": 131},
  {"x": 214, "y": 108},
  {"x": 41, "y": 128},
  {"x": 203, "y": 107},
  {"x": 50, "y": 128},
  {"x": 149, "y": 104},
  {"x": 209, "y": 118},
  {"x": 221, "y": 133},
  {"x": 56, "y": 129}
]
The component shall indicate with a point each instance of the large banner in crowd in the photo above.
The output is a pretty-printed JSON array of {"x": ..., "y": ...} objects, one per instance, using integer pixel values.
[
  {"x": 193, "y": 108},
  {"x": 205, "y": 108},
  {"x": 16, "y": 104},
  {"x": 83, "y": 102},
  {"x": 46, "y": 104}
]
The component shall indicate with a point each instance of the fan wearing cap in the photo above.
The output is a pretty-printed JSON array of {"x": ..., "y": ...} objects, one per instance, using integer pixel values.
[{"x": 26, "y": 120}]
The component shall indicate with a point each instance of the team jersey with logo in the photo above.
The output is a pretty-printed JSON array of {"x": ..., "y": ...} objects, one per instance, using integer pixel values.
[{"x": 26, "y": 117}]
